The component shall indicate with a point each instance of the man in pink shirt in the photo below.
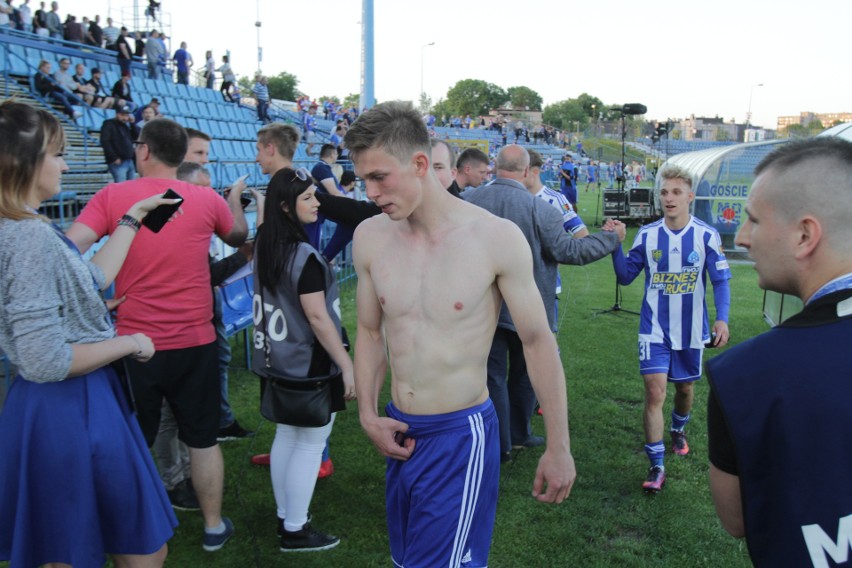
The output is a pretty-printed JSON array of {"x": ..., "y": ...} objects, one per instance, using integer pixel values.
[{"x": 165, "y": 287}]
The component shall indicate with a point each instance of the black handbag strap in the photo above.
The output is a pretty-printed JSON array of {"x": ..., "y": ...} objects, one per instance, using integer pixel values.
[{"x": 266, "y": 346}]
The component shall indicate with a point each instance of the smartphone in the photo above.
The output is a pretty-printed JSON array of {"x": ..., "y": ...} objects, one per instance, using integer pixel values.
[
  {"x": 712, "y": 343},
  {"x": 157, "y": 219},
  {"x": 243, "y": 177}
]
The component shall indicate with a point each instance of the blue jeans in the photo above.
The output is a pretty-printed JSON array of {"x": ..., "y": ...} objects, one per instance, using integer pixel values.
[
  {"x": 263, "y": 111},
  {"x": 153, "y": 70},
  {"x": 510, "y": 389},
  {"x": 223, "y": 351},
  {"x": 122, "y": 172}
]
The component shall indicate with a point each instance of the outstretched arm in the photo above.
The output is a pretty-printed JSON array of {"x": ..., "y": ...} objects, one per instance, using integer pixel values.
[{"x": 556, "y": 471}]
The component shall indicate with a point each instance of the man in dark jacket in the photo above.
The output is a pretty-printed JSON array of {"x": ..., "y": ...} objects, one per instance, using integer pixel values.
[{"x": 117, "y": 139}]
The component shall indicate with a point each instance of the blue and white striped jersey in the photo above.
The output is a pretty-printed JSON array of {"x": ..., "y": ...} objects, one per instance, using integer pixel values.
[
  {"x": 674, "y": 310},
  {"x": 570, "y": 220}
]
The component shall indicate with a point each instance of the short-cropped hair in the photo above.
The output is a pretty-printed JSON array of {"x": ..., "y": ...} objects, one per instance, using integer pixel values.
[
  {"x": 284, "y": 137},
  {"x": 394, "y": 127}
]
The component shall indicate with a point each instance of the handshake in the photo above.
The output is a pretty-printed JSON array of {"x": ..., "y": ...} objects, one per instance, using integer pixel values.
[{"x": 615, "y": 226}]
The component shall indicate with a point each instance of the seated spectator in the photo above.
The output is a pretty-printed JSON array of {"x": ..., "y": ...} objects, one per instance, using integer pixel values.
[
  {"x": 103, "y": 99},
  {"x": 153, "y": 105},
  {"x": 121, "y": 90},
  {"x": 48, "y": 89},
  {"x": 148, "y": 114},
  {"x": 64, "y": 80},
  {"x": 83, "y": 89}
]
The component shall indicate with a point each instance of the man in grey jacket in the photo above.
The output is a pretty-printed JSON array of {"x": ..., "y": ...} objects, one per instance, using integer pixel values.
[{"x": 541, "y": 224}]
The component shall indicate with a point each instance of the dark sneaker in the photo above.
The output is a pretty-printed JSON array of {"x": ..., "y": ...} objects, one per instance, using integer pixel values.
[
  {"x": 679, "y": 445},
  {"x": 280, "y": 527},
  {"x": 183, "y": 496},
  {"x": 656, "y": 479},
  {"x": 307, "y": 540},
  {"x": 531, "y": 442},
  {"x": 233, "y": 432},
  {"x": 213, "y": 542}
]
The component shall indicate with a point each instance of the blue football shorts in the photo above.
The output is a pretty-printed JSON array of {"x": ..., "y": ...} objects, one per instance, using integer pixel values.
[
  {"x": 682, "y": 365},
  {"x": 441, "y": 503}
]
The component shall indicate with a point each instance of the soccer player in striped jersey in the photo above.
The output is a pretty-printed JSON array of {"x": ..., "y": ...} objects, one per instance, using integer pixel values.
[{"x": 677, "y": 253}]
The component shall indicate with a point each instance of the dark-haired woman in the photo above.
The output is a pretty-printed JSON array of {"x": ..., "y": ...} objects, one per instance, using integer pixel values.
[
  {"x": 76, "y": 477},
  {"x": 300, "y": 324}
]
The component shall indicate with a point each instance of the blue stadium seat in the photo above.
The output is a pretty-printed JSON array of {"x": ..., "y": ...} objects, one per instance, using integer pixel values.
[
  {"x": 182, "y": 108},
  {"x": 166, "y": 86},
  {"x": 236, "y": 306}
]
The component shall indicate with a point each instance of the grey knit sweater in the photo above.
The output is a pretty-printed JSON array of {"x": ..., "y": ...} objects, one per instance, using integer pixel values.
[{"x": 48, "y": 300}]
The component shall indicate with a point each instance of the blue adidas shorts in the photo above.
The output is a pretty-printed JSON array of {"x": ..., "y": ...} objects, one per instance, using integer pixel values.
[
  {"x": 441, "y": 503},
  {"x": 680, "y": 366}
]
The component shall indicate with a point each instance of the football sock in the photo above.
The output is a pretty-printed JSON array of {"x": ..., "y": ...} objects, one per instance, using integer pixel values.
[
  {"x": 655, "y": 452},
  {"x": 678, "y": 421}
]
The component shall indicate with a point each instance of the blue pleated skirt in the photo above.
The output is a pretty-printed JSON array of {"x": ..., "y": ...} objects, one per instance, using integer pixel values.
[{"x": 76, "y": 478}]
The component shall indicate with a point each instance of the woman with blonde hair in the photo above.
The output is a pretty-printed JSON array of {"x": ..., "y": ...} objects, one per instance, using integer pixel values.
[{"x": 76, "y": 478}]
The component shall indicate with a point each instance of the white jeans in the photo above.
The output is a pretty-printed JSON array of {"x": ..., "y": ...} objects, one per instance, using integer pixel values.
[{"x": 294, "y": 463}]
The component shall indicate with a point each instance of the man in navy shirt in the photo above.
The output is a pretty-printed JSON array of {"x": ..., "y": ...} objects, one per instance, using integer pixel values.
[
  {"x": 778, "y": 411},
  {"x": 183, "y": 60}
]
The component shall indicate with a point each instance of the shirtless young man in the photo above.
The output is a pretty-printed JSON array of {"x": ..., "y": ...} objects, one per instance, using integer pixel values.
[{"x": 432, "y": 272}]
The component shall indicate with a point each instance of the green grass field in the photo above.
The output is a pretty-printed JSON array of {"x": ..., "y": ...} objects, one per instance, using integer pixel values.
[{"x": 607, "y": 520}]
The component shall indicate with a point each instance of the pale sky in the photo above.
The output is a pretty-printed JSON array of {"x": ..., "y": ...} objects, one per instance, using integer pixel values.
[{"x": 677, "y": 58}]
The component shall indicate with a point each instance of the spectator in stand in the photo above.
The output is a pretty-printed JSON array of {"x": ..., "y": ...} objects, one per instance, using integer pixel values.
[
  {"x": 25, "y": 17},
  {"x": 154, "y": 53},
  {"x": 228, "y": 79},
  {"x": 47, "y": 88},
  {"x": 121, "y": 90},
  {"x": 64, "y": 80},
  {"x": 336, "y": 139},
  {"x": 40, "y": 21},
  {"x": 154, "y": 105},
  {"x": 472, "y": 168},
  {"x": 309, "y": 126},
  {"x": 73, "y": 30},
  {"x": 122, "y": 48},
  {"x": 209, "y": 69},
  {"x": 148, "y": 114},
  {"x": 103, "y": 99},
  {"x": 5, "y": 13},
  {"x": 261, "y": 94},
  {"x": 111, "y": 33},
  {"x": 53, "y": 22},
  {"x": 183, "y": 61},
  {"x": 82, "y": 88},
  {"x": 138, "y": 45},
  {"x": 117, "y": 138},
  {"x": 95, "y": 35}
]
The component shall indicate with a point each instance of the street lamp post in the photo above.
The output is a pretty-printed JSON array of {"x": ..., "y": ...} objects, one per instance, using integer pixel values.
[
  {"x": 259, "y": 49},
  {"x": 422, "y": 55},
  {"x": 750, "y": 95}
]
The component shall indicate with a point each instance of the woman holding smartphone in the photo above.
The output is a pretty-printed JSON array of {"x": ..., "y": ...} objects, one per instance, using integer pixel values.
[
  {"x": 295, "y": 286},
  {"x": 76, "y": 477}
]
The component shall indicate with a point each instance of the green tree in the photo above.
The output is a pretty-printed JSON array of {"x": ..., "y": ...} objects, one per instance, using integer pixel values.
[
  {"x": 351, "y": 100},
  {"x": 283, "y": 87},
  {"x": 425, "y": 102},
  {"x": 567, "y": 115},
  {"x": 524, "y": 98},
  {"x": 475, "y": 97},
  {"x": 591, "y": 105},
  {"x": 441, "y": 109},
  {"x": 796, "y": 131},
  {"x": 815, "y": 127}
]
